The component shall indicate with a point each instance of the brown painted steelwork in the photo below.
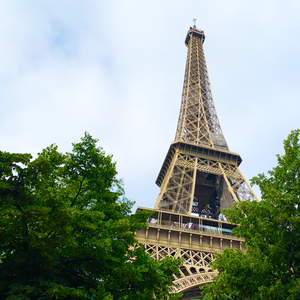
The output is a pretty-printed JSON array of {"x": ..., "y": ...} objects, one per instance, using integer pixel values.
[
  {"x": 198, "y": 178},
  {"x": 199, "y": 175}
]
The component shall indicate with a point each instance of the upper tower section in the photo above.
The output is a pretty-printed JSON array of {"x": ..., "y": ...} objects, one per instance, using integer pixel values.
[
  {"x": 198, "y": 123},
  {"x": 199, "y": 175}
]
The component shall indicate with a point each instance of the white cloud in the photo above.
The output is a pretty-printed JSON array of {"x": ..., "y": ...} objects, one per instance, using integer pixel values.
[{"x": 115, "y": 69}]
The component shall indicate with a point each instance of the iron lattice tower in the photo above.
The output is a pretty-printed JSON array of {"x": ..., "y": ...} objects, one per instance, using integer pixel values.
[{"x": 198, "y": 178}]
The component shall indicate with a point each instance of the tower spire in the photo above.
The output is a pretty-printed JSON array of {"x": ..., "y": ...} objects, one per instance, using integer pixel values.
[
  {"x": 199, "y": 175},
  {"x": 198, "y": 121},
  {"x": 194, "y": 20}
]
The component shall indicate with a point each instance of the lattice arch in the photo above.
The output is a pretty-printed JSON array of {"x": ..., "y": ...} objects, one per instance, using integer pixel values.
[{"x": 195, "y": 270}]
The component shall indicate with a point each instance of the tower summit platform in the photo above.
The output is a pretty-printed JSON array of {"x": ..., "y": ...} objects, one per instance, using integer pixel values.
[{"x": 194, "y": 31}]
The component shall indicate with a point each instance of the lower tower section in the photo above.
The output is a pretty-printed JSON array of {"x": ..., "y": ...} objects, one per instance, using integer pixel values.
[{"x": 195, "y": 239}]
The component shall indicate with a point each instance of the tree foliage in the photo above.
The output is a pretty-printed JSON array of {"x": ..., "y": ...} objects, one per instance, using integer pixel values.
[
  {"x": 67, "y": 232},
  {"x": 270, "y": 269}
]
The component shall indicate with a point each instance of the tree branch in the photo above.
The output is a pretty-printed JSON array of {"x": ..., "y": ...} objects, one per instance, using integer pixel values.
[{"x": 78, "y": 193}]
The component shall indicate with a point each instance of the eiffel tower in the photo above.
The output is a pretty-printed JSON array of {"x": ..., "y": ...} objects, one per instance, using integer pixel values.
[{"x": 198, "y": 178}]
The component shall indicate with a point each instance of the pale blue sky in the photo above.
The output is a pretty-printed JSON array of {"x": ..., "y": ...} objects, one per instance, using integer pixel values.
[{"x": 115, "y": 69}]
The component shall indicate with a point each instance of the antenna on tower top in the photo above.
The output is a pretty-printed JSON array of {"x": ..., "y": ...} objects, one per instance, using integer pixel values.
[{"x": 194, "y": 20}]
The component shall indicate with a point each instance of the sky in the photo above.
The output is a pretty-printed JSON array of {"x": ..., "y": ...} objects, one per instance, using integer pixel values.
[{"x": 115, "y": 69}]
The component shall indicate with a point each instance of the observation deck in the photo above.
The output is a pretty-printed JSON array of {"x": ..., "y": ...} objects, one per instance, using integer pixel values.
[
  {"x": 189, "y": 232},
  {"x": 196, "y": 32}
]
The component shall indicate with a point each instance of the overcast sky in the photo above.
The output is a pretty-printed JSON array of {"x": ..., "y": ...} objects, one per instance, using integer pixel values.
[{"x": 115, "y": 69}]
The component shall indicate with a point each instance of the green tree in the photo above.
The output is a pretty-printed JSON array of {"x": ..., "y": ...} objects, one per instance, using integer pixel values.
[
  {"x": 270, "y": 269},
  {"x": 67, "y": 232}
]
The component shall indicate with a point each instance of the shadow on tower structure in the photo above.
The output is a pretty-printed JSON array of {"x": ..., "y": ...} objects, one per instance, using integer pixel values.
[{"x": 198, "y": 178}]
